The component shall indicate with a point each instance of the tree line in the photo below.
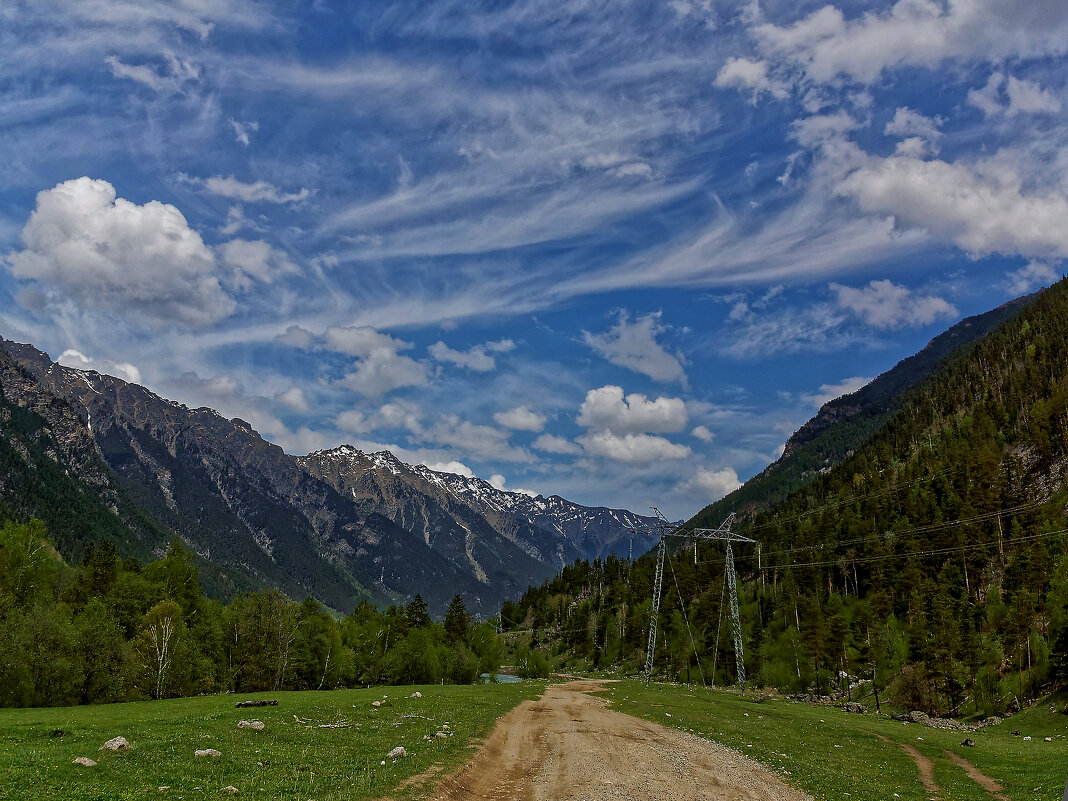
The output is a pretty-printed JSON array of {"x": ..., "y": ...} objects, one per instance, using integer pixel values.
[{"x": 111, "y": 630}]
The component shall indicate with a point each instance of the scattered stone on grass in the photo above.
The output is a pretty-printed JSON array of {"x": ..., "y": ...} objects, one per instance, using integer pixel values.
[
  {"x": 853, "y": 707},
  {"x": 1049, "y": 739},
  {"x": 1027, "y": 737},
  {"x": 229, "y": 789},
  {"x": 243, "y": 704},
  {"x": 376, "y": 703},
  {"x": 85, "y": 761},
  {"x": 116, "y": 744},
  {"x": 163, "y": 789},
  {"x": 207, "y": 752},
  {"x": 397, "y": 752},
  {"x": 417, "y": 694},
  {"x": 251, "y": 724},
  {"x": 968, "y": 742}
]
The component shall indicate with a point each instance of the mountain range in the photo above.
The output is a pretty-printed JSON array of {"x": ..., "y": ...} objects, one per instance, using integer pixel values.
[{"x": 98, "y": 458}]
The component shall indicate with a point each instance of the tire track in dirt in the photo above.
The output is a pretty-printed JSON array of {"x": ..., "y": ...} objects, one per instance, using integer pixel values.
[
  {"x": 978, "y": 777},
  {"x": 568, "y": 746}
]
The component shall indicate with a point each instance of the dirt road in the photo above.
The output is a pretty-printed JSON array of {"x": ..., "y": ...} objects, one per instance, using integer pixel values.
[{"x": 568, "y": 746}]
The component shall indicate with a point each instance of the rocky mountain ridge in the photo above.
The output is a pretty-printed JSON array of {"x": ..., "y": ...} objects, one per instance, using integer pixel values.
[{"x": 142, "y": 470}]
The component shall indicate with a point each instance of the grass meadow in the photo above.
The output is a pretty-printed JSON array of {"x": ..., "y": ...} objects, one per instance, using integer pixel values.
[
  {"x": 838, "y": 756},
  {"x": 293, "y": 757}
]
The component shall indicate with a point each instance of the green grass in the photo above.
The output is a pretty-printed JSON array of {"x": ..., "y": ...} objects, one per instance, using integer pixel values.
[
  {"x": 290, "y": 759},
  {"x": 838, "y": 756}
]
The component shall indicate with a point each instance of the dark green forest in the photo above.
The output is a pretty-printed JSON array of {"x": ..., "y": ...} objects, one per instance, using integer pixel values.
[
  {"x": 116, "y": 630},
  {"x": 930, "y": 565}
]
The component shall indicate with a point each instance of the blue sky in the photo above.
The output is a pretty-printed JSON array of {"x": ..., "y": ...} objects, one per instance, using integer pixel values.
[{"x": 616, "y": 251}]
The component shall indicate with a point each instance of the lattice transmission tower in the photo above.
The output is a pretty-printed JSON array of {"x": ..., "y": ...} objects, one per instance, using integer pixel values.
[{"x": 724, "y": 534}]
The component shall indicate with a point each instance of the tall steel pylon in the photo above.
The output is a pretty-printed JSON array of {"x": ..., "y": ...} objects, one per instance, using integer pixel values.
[{"x": 723, "y": 533}]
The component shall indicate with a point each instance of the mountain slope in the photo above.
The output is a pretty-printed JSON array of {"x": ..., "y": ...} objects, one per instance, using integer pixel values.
[
  {"x": 97, "y": 458},
  {"x": 844, "y": 424}
]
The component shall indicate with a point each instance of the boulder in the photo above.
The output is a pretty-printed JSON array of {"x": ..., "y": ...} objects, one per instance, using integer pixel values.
[
  {"x": 853, "y": 707},
  {"x": 417, "y": 694},
  {"x": 206, "y": 752},
  {"x": 257, "y": 725},
  {"x": 116, "y": 744},
  {"x": 243, "y": 704},
  {"x": 397, "y": 752},
  {"x": 968, "y": 742},
  {"x": 85, "y": 761},
  {"x": 229, "y": 789}
]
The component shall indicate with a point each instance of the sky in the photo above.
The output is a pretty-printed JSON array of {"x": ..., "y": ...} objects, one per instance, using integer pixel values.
[{"x": 612, "y": 250}]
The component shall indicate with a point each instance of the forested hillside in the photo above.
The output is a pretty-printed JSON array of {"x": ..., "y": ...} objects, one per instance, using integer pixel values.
[
  {"x": 844, "y": 424},
  {"x": 931, "y": 561}
]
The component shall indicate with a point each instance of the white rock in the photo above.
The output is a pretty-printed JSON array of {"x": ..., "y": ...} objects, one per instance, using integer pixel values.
[
  {"x": 417, "y": 694},
  {"x": 250, "y": 724},
  {"x": 1028, "y": 737},
  {"x": 229, "y": 789},
  {"x": 202, "y": 752},
  {"x": 85, "y": 761},
  {"x": 115, "y": 744},
  {"x": 397, "y": 752},
  {"x": 376, "y": 703}
]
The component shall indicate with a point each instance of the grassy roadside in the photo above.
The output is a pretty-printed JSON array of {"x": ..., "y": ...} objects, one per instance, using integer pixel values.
[
  {"x": 291, "y": 758},
  {"x": 839, "y": 756}
]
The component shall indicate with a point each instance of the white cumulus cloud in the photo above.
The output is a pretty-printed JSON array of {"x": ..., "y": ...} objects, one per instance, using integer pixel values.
[
  {"x": 606, "y": 408},
  {"x": 550, "y": 443},
  {"x": 884, "y": 304},
  {"x": 380, "y": 367},
  {"x": 84, "y": 244},
  {"x": 635, "y": 449},
  {"x": 711, "y": 485},
  {"x": 521, "y": 418}
]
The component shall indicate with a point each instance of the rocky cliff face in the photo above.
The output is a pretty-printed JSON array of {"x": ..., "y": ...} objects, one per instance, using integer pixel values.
[{"x": 339, "y": 525}]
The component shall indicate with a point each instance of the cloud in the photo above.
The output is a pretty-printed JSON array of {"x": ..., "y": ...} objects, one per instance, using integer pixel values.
[
  {"x": 84, "y": 245},
  {"x": 294, "y": 399},
  {"x": 296, "y": 337},
  {"x": 1031, "y": 276},
  {"x": 255, "y": 261},
  {"x": 176, "y": 73},
  {"x": 79, "y": 361},
  {"x": 481, "y": 442},
  {"x": 745, "y": 73},
  {"x": 475, "y": 359},
  {"x": 908, "y": 123},
  {"x": 550, "y": 443},
  {"x": 817, "y": 327},
  {"x": 635, "y": 449},
  {"x": 829, "y": 392},
  {"x": 634, "y": 346},
  {"x": 825, "y": 47},
  {"x": 255, "y": 192},
  {"x": 243, "y": 130},
  {"x": 380, "y": 368},
  {"x": 703, "y": 433},
  {"x": 521, "y": 418},
  {"x": 711, "y": 484},
  {"x": 607, "y": 409},
  {"x": 1011, "y": 97},
  {"x": 819, "y": 129},
  {"x": 983, "y": 208},
  {"x": 886, "y": 305}
]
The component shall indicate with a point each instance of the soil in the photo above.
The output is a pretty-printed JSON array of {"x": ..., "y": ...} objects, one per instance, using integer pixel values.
[{"x": 568, "y": 746}]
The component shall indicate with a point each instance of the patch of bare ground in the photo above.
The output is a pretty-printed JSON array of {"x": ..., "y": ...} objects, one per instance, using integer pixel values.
[
  {"x": 568, "y": 746},
  {"x": 979, "y": 778}
]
